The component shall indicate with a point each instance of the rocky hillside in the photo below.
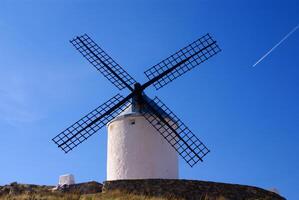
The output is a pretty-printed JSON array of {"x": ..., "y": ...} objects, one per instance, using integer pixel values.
[
  {"x": 152, "y": 189},
  {"x": 190, "y": 189},
  {"x": 42, "y": 192}
]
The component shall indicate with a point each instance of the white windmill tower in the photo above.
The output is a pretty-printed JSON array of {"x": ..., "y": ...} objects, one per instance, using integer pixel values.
[
  {"x": 136, "y": 150},
  {"x": 144, "y": 135}
]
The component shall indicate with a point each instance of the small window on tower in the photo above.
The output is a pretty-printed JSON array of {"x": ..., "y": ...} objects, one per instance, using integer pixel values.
[{"x": 132, "y": 121}]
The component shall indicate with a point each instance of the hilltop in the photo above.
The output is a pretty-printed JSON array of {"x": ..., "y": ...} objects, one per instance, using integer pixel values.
[{"x": 149, "y": 189}]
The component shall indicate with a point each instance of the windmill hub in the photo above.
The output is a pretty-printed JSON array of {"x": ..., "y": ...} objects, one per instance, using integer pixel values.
[
  {"x": 137, "y": 87},
  {"x": 144, "y": 143},
  {"x": 137, "y": 98}
]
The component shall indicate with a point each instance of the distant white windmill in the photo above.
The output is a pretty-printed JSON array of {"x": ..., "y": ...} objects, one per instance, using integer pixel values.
[{"x": 144, "y": 136}]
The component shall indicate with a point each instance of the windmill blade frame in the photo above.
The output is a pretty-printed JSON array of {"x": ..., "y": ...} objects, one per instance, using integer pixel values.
[
  {"x": 177, "y": 134},
  {"x": 103, "y": 62},
  {"x": 182, "y": 61},
  {"x": 90, "y": 123},
  {"x": 163, "y": 120}
]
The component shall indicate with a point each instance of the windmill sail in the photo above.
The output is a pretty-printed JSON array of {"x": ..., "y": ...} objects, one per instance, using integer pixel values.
[
  {"x": 182, "y": 61},
  {"x": 91, "y": 123},
  {"x": 177, "y": 134},
  {"x": 103, "y": 62}
]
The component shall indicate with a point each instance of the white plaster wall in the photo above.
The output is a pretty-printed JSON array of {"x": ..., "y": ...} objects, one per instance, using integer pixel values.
[
  {"x": 138, "y": 151},
  {"x": 67, "y": 179}
]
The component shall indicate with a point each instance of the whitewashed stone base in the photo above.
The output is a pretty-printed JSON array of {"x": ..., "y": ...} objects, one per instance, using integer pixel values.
[{"x": 137, "y": 151}]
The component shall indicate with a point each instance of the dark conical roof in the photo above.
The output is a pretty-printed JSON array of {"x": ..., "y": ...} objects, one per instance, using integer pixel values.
[{"x": 136, "y": 108}]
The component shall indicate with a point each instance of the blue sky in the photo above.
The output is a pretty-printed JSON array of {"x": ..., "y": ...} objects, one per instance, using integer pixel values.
[{"x": 247, "y": 116}]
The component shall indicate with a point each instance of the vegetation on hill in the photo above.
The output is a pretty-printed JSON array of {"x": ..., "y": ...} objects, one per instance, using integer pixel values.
[
  {"x": 63, "y": 196},
  {"x": 151, "y": 189},
  {"x": 83, "y": 191},
  {"x": 116, "y": 195}
]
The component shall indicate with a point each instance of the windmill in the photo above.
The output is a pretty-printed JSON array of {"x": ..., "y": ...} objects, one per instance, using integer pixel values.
[{"x": 150, "y": 149}]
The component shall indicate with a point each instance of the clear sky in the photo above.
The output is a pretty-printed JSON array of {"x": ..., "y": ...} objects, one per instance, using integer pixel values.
[{"x": 248, "y": 117}]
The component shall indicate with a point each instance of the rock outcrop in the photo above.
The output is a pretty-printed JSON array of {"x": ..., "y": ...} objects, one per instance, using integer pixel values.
[
  {"x": 190, "y": 190},
  {"x": 167, "y": 188},
  {"x": 15, "y": 188},
  {"x": 81, "y": 188}
]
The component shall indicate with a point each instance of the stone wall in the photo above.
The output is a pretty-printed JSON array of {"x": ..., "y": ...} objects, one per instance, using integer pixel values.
[{"x": 190, "y": 190}]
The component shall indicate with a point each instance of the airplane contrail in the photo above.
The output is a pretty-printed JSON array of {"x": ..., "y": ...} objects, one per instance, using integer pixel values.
[{"x": 273, "y": 48}]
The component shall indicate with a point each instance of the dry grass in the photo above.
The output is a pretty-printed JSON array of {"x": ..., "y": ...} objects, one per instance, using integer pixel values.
[
  {"x": 102, "y": 196},
  {"x": 116, "y": 195},
  {"x": 42, "y": 197}
]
